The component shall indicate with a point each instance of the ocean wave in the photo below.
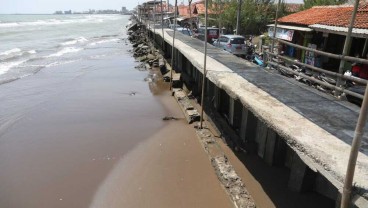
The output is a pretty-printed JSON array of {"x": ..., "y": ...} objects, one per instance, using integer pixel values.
[
  {"x": 48, "y": 22},
  {"x": 14, "y": 54},
  {"x": 104, "y": 41},
  {"x": 65, "y": 51},
  {"x": 75, "y": 41},
  {"x": 8, "y": 52},
  {"x": 6, "y": 66},
  {"x": 57, "y": 63}
]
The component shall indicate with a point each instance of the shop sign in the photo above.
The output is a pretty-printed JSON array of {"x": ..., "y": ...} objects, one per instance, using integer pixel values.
[{"x": 281, "y": 33}]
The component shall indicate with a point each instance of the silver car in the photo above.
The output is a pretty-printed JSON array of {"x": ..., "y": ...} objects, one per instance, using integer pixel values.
[
  {"x": 185, "y": 31},
  {"x": 234, "y": 44}
]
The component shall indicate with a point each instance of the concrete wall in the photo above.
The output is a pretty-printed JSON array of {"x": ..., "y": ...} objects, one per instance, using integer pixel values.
[{"x": 253, "y": 133}]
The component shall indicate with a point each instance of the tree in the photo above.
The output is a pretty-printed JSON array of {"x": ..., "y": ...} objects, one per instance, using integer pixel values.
[
  {"x": 255, "y": 15},
  {"x": 310, "y": 3}
]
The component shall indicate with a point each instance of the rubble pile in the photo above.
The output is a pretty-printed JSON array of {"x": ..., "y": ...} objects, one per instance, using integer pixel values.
[{"x": 143, "y": 50}]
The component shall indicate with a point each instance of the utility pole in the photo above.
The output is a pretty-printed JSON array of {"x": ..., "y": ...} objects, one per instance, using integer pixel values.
[
  {"x": 204, "y": 64},
  {"x": 190, "y": 13},
  {"x": 162, "y": 27},
  {"x": 154, "y": 21},
  {"x": 347, "y": 45},
  {"x": 275, "y": 26},
  {"x": 359, "y": 129},
  {"x": 173, "y": 45},
  {"x": 238, "y": 17}
]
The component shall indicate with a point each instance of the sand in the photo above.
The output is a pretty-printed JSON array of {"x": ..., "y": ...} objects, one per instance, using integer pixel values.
[{"x": 90, "y": 133}]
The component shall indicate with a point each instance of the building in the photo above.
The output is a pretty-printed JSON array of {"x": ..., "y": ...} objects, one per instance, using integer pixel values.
[{"x": 323, "y": 28}]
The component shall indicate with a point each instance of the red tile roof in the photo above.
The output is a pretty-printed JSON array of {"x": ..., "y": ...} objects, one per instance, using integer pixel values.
[
  {"x": 361, "y": 20},
  {"x": 329, "y": 15},
  {"x": 315, "y": 15},
  {"x": 201, "y": 8},
  {"x": 183, "y": 10}
]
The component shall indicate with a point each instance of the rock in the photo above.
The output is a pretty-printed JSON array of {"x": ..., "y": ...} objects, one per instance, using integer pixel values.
[
  {"x": 142, "y": 58},
  {"x": 151, "y": 57},
  {"x": 148, "y": 66},
  {"x": 167, "y": 118}
]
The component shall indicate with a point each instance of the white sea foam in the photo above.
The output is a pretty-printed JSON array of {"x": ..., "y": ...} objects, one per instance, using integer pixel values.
[
  {"x": 104, "y": 41},
  {"x": 75, "y": 41},
  {"x": 57, "y": 63},
  {"x": 47, "y": 22},
  {"x": 8, "y": 52},
  {"x": 65, "y": 51},
  {"x": 9, "y": 24},
  {"x": 32, "y": 52},
  {"x": 6, "y": 66}
]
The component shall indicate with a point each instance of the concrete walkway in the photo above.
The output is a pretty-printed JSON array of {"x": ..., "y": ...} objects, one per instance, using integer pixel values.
[{"x": 318, "y": 127}]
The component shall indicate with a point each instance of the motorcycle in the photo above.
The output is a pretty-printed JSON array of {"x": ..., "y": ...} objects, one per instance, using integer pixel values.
[{"x": 258, "y": 59}]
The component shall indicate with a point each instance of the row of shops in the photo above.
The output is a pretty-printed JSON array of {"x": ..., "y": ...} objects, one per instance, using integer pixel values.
[{"x": 323, "y": 28}]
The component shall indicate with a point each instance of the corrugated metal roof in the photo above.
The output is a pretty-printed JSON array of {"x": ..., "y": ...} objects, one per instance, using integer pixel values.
[
  {"x": 305, "y": 29},
  {"x": 339, "y": 29}
]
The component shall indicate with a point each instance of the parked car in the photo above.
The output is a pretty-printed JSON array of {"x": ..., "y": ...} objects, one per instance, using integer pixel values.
[
  {"x": 185, "y": 31},
  {"x": 234, "y": 44},
  {"x": 213, "y": 33}
]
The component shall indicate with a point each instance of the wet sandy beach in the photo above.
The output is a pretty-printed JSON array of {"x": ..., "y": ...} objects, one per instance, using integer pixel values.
[{"x": 90, "y": 133}]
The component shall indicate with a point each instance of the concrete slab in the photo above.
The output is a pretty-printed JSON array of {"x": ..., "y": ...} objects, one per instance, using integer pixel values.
[{"x": 317, "y": 127}]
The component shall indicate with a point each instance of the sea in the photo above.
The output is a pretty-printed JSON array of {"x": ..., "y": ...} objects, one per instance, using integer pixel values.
[
  {"x": 72, "y": 107},
  {"x": 30, "y": 43}
]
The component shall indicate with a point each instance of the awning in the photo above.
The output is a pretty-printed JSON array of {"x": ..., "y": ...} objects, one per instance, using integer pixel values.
[
  {"x": 181, "y": 18},
  {"x": 304, "y": 29},
  {"x": 357, "y": 32}
]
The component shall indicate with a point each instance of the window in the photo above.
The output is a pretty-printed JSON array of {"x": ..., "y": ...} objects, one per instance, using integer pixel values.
[
  {"x": 237, "y": 41},
  {"x": 223, "y": 39}
]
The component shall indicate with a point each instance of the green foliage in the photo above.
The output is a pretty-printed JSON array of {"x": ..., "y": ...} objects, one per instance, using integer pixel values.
[
  {"x": 310, "y": 3},
  {"x": 255, "y": 15}
]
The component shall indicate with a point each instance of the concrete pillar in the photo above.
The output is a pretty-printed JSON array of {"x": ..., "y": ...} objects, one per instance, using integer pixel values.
[
  {"x": 231, "y": 111},
  {"x": 261, "y": 138},
  {"x": 216, "y": 102},
  {"x": 338, "y": 200},
  {"x": 324, "y": 187},
  {"x": 238, "y": 113},
  {"x": 243, "y": 125},
  {"x": 270, "y": 146},
  {"x": 279, "y": 155},
  {"x": 180, "y": 61},
  {"x": 302, "y": 178},
  {"x": 199, "y": 83}
]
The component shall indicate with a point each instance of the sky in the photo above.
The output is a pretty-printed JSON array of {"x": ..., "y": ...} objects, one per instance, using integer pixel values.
[{"x": 50, "y": 6}]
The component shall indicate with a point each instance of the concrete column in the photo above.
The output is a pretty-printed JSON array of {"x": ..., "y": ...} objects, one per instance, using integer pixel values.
[
  {"x": 216, "y": 102},
  {"x": 180, "y": 61},
  {"x": 231, "y": 111},
  {"x": 270, "y": 146},
  {"x": 261, "y": 138},
  {"x": 301, "y": 177},
  {"x": 324, "y": 187},
  {"x": 243, "y": 126}
]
